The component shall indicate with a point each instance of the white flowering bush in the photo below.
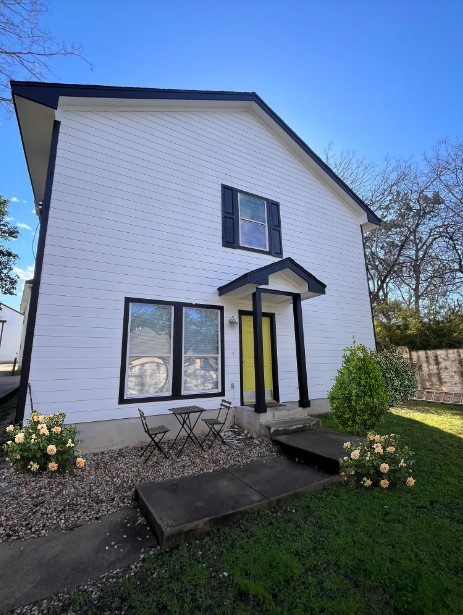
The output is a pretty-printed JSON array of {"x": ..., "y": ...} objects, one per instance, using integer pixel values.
[
  {"x": 399, "y": 375},
  {"x": 44, "y": 444},
  {"x": 378, "y": 461}
]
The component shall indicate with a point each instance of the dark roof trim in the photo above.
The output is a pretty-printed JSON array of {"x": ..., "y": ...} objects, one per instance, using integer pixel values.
[
  {"x": 2, "y": 305},
  {"x": 48, "y": 94},
  {"x": 261, "y": 277}
]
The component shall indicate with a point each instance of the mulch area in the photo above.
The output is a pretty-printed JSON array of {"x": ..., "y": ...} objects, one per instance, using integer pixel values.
[
  {"x": 33, "y": 505},
  {"x": 7, "y": 415}
]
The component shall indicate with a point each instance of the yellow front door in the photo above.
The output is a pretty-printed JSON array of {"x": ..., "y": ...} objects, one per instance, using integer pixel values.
[{"x": 247, "y": 348}]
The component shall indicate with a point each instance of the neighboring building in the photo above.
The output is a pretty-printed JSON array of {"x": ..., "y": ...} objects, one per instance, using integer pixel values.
[
  {"x": 167, "y": 216},
  {"x": 24, "y": 308},
  {"x": 11, "y": 325}
]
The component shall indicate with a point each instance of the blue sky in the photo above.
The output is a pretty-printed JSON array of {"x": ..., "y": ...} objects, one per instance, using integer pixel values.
[{"x": 374, "y": 76}]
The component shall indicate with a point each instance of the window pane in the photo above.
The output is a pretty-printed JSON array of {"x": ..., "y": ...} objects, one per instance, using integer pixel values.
[
  {"x": 150, "y": 329},
  {"x": 200, "y": 374},
  {"x": 148, "y": 376},
  {"x": 200, "y": 331},
  {"x": 252, "y": 209},
  {"x": 253, "y": 235}
]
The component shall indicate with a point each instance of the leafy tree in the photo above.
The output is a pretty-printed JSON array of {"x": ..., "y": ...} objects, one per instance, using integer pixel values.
[
  {"x": 26, "y": 44},
  {"x": 8, "y": 280},
  {"x": 399, "y": 325},
  {"x": 358, "y": 398}
]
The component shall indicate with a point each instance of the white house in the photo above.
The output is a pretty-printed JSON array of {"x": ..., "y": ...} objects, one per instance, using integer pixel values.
[
  {"x": 192, "y": 247},
  {"x": 11, "y": 324}
]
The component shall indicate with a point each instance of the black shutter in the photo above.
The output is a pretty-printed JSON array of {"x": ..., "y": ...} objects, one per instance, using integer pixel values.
[
  {"x": 276, "y": 246},
  {"x": 229, "y": 218}
]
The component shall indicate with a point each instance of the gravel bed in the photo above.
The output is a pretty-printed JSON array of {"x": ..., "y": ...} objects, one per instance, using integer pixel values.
[{"x": 36, "y": 505}]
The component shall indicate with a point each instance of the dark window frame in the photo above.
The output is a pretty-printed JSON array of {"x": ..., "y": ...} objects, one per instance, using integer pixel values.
[
  {"x": 227, "y": 215},
  {"x": 177, "y": 352}
]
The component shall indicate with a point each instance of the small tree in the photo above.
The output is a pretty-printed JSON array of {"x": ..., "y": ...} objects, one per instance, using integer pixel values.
[
  {"x": 399, "y": 375},
  {"x": 8, "y": 279},
  {"x": 359, "y": 397}
]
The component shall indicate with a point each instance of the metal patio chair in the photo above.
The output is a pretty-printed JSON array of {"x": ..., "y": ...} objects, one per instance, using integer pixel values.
[
  {"x": 155, "y": 434},
  {"x": 216, "y": 426}
]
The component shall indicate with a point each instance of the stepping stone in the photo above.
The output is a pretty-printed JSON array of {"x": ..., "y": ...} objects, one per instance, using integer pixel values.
[
  {"x": 320, "y": 448},
  {"x": 287, "y": 426}
]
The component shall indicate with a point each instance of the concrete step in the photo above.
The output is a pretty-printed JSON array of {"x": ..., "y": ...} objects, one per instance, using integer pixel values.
[
  {"x": 320, "y": 448},
  {"x": 287, "y": 426},
  {"x": 180, "y": 509}
]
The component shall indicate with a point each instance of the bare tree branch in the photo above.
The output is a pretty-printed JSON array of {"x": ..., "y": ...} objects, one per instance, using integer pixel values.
[{"x": 26, "y": 45}]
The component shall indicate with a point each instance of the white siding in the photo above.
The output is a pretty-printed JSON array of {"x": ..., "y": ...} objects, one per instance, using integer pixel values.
[{"x": 136, "y": 212}]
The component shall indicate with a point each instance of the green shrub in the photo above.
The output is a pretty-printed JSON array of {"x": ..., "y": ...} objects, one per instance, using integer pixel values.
[
  {"x": 358, "y": 398},
  {"x": 379, "y": 461},
  {"x": 44, "y": 444},
  {"x": 399, "y": 375}
]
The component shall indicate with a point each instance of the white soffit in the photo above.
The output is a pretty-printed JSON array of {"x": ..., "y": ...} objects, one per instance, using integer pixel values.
[{"x": 36, "y": 122}]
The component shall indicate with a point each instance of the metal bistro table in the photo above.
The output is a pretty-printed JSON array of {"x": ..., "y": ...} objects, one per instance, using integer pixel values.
[{"x": 185, "y": 416}]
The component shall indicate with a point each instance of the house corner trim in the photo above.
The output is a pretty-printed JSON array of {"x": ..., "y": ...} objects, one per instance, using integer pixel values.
[{"x": 30, "y": 327}]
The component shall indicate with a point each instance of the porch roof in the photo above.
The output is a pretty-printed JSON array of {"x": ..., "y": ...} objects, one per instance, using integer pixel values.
[{"x": 247, "y": 284}]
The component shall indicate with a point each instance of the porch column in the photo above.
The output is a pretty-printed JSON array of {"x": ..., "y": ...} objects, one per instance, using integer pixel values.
[
  {"x": 304, "y": 401},
  {"x": 258, "y": 352}
]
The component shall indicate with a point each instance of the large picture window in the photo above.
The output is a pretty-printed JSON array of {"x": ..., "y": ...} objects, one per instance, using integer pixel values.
[
  {"x": 149, "y": 355},
  {"x": 171, "y": 350},
  {"x": 201, "y": 354}
]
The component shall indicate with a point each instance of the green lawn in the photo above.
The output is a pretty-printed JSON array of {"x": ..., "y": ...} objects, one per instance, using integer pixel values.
[{"x": 336, "y": 551}]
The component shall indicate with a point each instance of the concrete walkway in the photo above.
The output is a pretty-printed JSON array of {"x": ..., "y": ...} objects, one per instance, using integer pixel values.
[
  {"x": 37, "y": 568},
  {"x": 8, "y": 383},
  {"x": 178, "y": 509}
]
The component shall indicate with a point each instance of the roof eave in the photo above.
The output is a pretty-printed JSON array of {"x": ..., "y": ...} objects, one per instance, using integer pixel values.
[{"x": 49, "y": 94}]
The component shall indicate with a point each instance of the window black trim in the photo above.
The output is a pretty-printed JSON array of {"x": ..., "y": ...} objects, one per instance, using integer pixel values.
[
  {"x": 231, "y": 216},
  {"x": 177, "y": 352}
]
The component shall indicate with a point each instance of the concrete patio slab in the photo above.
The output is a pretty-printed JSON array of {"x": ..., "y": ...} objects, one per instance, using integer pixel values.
[
  {"x": 39, "y": 567},
  {"x": 321, "y": 448},
  {"x": 280, "y": 478},
  {"x": 176, "y": 509}
]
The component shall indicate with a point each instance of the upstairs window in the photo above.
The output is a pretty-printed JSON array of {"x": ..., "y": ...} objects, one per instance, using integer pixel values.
[
  {"x": 253, "y": 222},
  {"x": 250, "y": 222}
]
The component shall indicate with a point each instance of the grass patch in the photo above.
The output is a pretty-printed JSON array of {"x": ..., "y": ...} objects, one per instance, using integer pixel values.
[{"x": 338, "y": 551}]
